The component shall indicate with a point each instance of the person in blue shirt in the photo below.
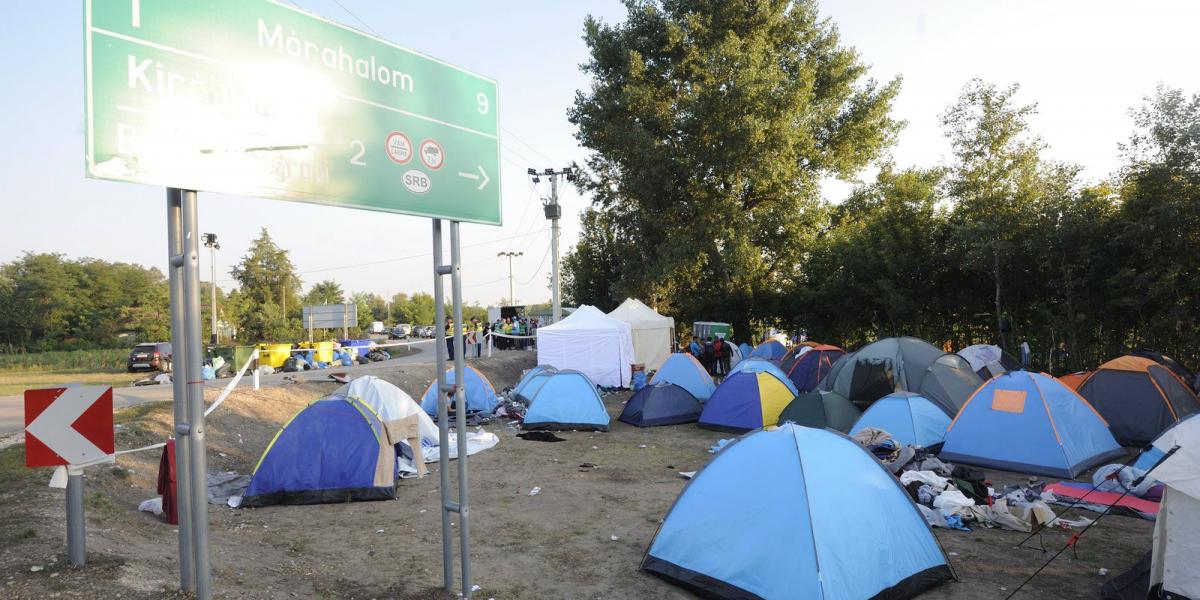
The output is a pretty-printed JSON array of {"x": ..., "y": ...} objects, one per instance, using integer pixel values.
[{"x": 695, "y": 348}]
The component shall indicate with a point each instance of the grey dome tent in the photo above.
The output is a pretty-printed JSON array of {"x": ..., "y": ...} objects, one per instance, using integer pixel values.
[
  {"x": 821, "y": 409},
  {"x": 903, "y": 364}
]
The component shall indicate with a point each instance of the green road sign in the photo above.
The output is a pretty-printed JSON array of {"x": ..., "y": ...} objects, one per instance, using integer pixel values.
[{"x": 257, "y": 98}]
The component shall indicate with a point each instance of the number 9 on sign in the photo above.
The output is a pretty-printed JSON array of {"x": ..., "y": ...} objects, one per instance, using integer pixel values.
[{"x": 481, "y": 101}]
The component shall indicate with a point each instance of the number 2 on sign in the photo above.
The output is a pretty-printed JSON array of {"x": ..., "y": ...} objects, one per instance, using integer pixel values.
[
  {"x": 357, "y": 158},
  {"x": 481, "y": 100}
]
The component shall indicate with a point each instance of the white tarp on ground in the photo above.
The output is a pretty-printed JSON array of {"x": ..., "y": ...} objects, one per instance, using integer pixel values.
[
  {"x": 652, "y": 333},
  {"x": 590, "y": 342},
  {"x": 1177, "y": 528}
]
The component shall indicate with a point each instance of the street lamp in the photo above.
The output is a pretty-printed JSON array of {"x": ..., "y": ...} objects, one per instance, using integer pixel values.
[
  {"x": 210, "y": 242},
  {"x": 511, "y": 298}
]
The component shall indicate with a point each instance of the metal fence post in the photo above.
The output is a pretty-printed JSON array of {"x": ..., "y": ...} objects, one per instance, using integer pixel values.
[
  {"x": 195, "y": 394},
  {"x": 76, "y": 530},
  {"x": 179, "y": 356}
]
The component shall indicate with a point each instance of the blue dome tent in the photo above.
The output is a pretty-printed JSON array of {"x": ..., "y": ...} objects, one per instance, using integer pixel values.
[
  {"x": 661, "y": 404},
  {"x": 1029, "y": 423},
  {"x": 683, "y": 370},
  {"x": 910, "y": 418},
  {"x": 481, "y": 396},
  {"x": 747, "y": 400},
  {"x": 334, "y": 450},
  {"x": 796, "y": 513},
  {"x": 565, "y": 400},
  {"x": 760, "y": 365},
  {"x": 530, "y": 381},
  {"x": 770, "y": 350},
  {"x": 746, "y": 350}
]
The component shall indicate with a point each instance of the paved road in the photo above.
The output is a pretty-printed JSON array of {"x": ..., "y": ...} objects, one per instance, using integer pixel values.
[{"x": 12, "y": 408}]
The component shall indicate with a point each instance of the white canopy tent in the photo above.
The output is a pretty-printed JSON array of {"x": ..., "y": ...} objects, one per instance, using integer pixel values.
[
  {"x": 1177, "y": 528},
  {"x": 590, "y": 342},
  {"x": 652, "y": 332}
]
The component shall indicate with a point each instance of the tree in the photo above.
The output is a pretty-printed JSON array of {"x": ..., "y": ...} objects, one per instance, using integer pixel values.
[
  {"x": 993, "y": 180},
  {"x": 711, "y": 125},
  {"x": 270, "y": 286},
  {"x": 324, "y": 292}
]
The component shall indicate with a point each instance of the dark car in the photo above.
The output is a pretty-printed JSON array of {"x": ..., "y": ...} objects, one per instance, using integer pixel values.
[{"x": 150, "y": 357}]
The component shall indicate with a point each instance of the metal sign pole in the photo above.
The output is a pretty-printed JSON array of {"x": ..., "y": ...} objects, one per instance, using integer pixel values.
[
  {"x": 460, "y": 422},
  {"x": 439, "y": 350},
  {"x": 76, "y": 534},
  {"x": 183, "y": 486},
  {"x": 195, "y": 394}
]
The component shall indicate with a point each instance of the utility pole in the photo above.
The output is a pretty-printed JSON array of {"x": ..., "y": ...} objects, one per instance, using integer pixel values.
[
  {"x": 553, "y": 213},
  {"x": 210, "y": 242},
  {"x": 511, "y": 295}
]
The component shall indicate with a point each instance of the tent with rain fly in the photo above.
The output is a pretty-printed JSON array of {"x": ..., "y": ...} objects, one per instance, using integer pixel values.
[
  {"x": 1138, "y": 397},
  {"x": 989, "y": 361},
  {"x": 683, "y": 370},
  {"x": 565, "y": 400},
  {"x": 747, "y": 400},
  {"x": 796, "y": 513},
  {"x": 336, "y": 449},
  {"x": 770, "y": 350},
  {"x": 1072, "y": 380},
  {"x": 911, "y": 419},
  {"x": 651, "y": 332},
  {"x": 903, "y": 364},
  {"x": 1029, "y": 423},
  {"x": 808, "y": 368},
  {"x": 661, "y": 404},
  {"x": 1175, "y": 366},
  {"x": 481, "y": 394},
  {"x": 590, "y": 342},
  {"x": 821, "y": 409}
]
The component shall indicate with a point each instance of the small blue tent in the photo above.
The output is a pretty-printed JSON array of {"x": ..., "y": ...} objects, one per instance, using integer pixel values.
[
  {"x": 762, "y": 365},
  {"x": 910, "y": 418},
  {"x": 565, "y": 400},
  {"x": 529, "y": 381},
  {"x": 334, "y": 450},
  {"x": 661, "y": 404},
  {"x": 796, "y": 513},
  {"x": 747, "y": 400},
  {"x": 481, "y": 396},
  {"x": 683, "y": 370},
  {"x": 770, "y": 350},
  {"x": 746, "y": 350},
  {"x": 1029, "y": 423}
]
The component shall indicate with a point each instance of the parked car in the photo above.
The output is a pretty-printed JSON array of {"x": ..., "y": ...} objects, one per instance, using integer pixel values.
[
  {"x": 402, "y": 331},
  {"x": 155, "y": 356}
]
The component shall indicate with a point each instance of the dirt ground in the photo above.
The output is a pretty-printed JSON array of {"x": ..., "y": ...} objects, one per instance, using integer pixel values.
[{"x": 582, "y": 536}]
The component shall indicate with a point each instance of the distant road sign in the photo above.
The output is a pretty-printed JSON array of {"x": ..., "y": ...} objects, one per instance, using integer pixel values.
[
  {"x": 68, "y": 426},
  {"x": 259, "y": 98},
  {"x": 330, "y": 316}
]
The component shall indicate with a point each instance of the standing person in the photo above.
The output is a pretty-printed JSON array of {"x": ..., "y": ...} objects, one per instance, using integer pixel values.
[
  {"x": 508, "y": 329},
  {"x": 708, "y": 359},
  {"x": 720, "y": 355},
  {"x": 469, "y": 340},
  {"x": 449, "y": 338},
  {"x": 694, "y": 347},
  {"x": 480, "y": 333}
]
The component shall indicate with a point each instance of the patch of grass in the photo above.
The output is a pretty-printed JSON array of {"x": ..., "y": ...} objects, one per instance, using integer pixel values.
[
  {"x": 138, "y": 412},
  {"x": 120, "y": 472},
  {"x": 16, "y": 382},
  {"x": 112, "y": 360},
  {"x": 12, "y": 466}
]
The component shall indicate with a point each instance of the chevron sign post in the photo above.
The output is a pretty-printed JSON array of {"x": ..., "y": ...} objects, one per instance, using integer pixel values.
[
  {"x": 68, "y": 426},
  {"x": 71, "y": 427}
]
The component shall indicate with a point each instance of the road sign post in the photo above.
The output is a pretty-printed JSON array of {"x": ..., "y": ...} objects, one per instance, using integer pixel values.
[
  {"x": 179, "y": 350},
  {"x": 70, "y": 427}
]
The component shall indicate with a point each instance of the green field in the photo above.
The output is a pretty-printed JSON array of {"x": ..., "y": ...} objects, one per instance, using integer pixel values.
[{"x": 19, "y": 372}]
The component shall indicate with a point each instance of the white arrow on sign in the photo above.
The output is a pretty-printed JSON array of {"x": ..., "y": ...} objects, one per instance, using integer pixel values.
[
  {"x": 53, "y": 426},
  {"x": 483, "y": 183}
]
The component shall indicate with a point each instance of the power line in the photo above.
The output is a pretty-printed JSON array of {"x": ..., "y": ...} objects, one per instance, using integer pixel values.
[
  {"x": 527, "y": 144},
  {"x": 364, "y": 23},
  {"x": 538, "y": 271}
]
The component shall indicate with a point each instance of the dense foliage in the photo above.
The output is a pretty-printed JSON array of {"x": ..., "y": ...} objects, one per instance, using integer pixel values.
[{"x": 712, "y": 123}]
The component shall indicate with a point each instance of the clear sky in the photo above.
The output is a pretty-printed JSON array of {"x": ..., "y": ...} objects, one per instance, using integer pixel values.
[{"x": 1084, "y": 63}]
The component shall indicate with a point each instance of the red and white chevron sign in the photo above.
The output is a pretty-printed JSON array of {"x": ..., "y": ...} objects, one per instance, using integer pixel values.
[{"x": 68, "y": 426}]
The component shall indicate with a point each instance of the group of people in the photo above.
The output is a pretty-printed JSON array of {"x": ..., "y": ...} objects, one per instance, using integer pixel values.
[
  {"x": 476, "y": 331},
  {"x": 713, "y": 354}
]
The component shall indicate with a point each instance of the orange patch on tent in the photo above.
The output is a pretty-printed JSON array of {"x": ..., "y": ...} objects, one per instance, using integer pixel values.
[{"x": 1012, "y": 401}]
